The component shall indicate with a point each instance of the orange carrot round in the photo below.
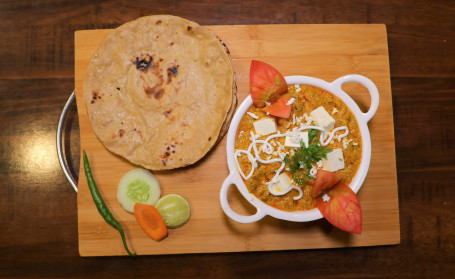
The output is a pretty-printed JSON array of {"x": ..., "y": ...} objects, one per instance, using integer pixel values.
[{"x": 150, "y": 220}]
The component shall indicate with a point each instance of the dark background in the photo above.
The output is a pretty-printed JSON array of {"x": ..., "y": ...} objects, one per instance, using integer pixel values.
[{"x": 38, "y": 212}]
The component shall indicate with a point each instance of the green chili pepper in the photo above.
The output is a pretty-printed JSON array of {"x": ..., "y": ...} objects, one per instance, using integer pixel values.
[{"x": 100, "y": 205}]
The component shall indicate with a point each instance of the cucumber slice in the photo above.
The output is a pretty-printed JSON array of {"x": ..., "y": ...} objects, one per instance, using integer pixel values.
[
  {"x": 174, "y": 209},
  {"x": 138, "y": 186}
]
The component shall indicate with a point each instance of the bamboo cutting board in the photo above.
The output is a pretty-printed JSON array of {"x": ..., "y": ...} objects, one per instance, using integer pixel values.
[{"x": 323, "y": 51}]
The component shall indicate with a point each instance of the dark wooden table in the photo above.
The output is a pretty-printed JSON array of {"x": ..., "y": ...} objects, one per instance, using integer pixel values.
[{"x": 38, "y": 213}]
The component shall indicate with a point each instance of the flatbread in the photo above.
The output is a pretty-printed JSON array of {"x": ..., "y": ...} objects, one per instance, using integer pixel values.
[{"x": 160, "y": 91}]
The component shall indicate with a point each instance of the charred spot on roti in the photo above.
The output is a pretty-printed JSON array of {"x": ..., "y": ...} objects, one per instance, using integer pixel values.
[
  {"x": 226, "y": 48},
  {"x": 167, "y": 113},
  {"x": 118, "y": 88},
  {"x": 166, "y": 155},
  {"x": 152, "y": 88},
  {"x": 170, "y": 148},
  {"x": 172, "y": 72},
  {"x": 95, "y": 96},
  {"x": 121, "y": 132},
  {"x": 189, "y": 28},
  {"x": 172, "y": 43},
  {"x": 210, "y": 138},
  {"x": 158, "y": 22},
  {"x": 156, "y": 91},
  {"x": 143, "y": 62}
]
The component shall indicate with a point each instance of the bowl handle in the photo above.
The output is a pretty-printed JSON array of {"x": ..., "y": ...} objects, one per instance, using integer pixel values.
[
  {"x": 227, "y": 208},
  {"x": 372, "y": 89}
]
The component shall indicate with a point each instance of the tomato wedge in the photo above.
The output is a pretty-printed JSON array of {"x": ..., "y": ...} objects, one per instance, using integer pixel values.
[
  {"x": 279, "y": 107},
  {"x": 343, "y": 209},
  {"x": 266, "y": 83},
  {"x": 324, "y": 181}
]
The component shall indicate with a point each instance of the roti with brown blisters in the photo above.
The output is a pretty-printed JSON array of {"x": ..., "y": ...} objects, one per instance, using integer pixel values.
[{"x": 160, "y": 91}]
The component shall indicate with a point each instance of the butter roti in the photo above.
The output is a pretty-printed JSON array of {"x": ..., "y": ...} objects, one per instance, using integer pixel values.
[{"x": 160, "y": 91}]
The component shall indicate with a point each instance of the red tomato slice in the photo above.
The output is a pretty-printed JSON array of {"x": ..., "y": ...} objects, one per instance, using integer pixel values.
[
  {"x": 266, "y": 83},
  {"x": 343, "y": 209},
  {"x": 279, "y": 107},
  {"x": 325, "y": 180}
]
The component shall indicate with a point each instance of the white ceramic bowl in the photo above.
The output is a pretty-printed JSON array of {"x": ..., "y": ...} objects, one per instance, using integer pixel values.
[{"x": 264, "y": 209}]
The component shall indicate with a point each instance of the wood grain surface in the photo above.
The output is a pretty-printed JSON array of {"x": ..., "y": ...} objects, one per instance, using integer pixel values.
[
  {"x": 323, "y": 51},
  {"x": 38, "y": 207}
]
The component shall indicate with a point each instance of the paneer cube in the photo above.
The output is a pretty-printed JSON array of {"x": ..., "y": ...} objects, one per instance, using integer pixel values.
[
  {"x": 322, "y": 118},
  {"x": 265, "y": 126},
  {"x": 292, "y": 141},
  {"x": 334, "y": 161}
]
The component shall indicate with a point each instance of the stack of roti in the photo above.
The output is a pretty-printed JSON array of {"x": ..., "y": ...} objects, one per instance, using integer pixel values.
[{"x": 160, "y": 91}]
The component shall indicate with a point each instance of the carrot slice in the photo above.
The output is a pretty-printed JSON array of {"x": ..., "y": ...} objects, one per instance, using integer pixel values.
[
  {"x": 279, "y": 107},
  {"x": 150, "y": 220}
]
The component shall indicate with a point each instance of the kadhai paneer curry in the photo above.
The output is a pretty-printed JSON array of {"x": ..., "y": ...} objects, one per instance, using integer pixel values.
[{"x": 278, "y": 158}]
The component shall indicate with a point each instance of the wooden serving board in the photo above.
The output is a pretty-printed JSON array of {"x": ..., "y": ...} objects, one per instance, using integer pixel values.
[{"x": 322, "y": 51}]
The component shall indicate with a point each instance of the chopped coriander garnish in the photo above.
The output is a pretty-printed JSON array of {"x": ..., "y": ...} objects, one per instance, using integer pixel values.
[
  {"x": 301, "y": 162},
  {"x": 312, "y": 133}
]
